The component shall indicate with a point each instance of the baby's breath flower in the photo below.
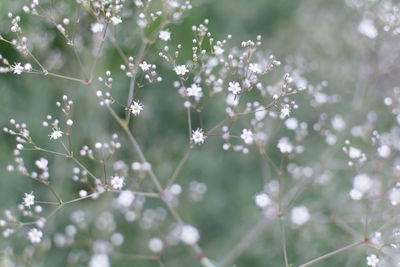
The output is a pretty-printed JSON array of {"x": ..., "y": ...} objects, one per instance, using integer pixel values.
[
  {"x": 285, "y": 111},
  {"x": 235, "y": 88},
  {"x": 136, "y": 108},
  {"x": 17, "y": 68},
  {"x": 194, "y": 90},
  {"x": 253, "y": 67},
  {"x": 145, "y": 66},
  {"x": 35, "y": 235},
  {"x": 29, "y": 200},
  {"x": 372, "y": 260},
  {"x": 189, "y": 235},
  {"x": 218, "y": 50},
  {"x": 247, "y": 136},
  {"x": 165, "y": 35},
  {"x": 56, "y": 134},
  {"x": 284, "y": 145},
  {"x": 181, "y": 70},
  {"x": 156, "y": 245},
  {"x": 198, "y": 136},
  {"x": 300, "y": 215},
  {"x": 42, "y": 164},
  {"x": 116, "y": 20},
  {"x": 96, "y": 27},
  {"x": 262, "y": 200},
  {"x": 117, "y": 182}
]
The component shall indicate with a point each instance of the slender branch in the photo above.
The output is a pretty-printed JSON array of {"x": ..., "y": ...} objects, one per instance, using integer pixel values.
[
  {"x": 179, "y": 167},
  {"x": 333, "y": 253},
  {"x": 252, "y": 234}
]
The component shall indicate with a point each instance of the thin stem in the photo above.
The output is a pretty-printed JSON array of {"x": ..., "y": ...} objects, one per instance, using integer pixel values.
[
  {"x": 179, "y": 167},
  {"x": 252, "y": 234},
  {"x": 139, "y": 58},
  {"x": 333, "y": 253}
]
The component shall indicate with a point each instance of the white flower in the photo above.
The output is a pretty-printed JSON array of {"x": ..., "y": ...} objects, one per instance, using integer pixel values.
[
  {"x": 291, "y": 124},
  {"x": 96, "y": 27},
  {"x": 354, "y": 153},
  {"x": 262, "y": 200},
  {"x": 99, "y": 260},
  {"x": 116, "y": 20},
  {"x": 247, "y": 136},
  {"x": 42, "y": 164},
  {"x": 285, "y": 111},
  {"x": 125, "y": 199},
  {"x": 253, "y": 67},
  {"x": 372, "y": 260},
  {"x": 35, "y": 235},
  {"x": 300, "y": 215},
  {"x": 181, "y": 70},
  {"x": 29, "y": 200},
  {"x": 17, "y": 68},
  {"x": 362, "y": 183},
  {"x": 28, "y": 67},
  {"x": 384, "y": 151},
  {"x": 338, "y": 123},
  {"x": 284, "y": 145},
  {"x": 57, "y": 133},
  {"x": 165, "y": 35},
  {"x": 136, "y": 108},
  {"x": 234, "y": 87},
  {"x": 367, "y": 28},
  {"x": 189, "y": 235},
  {"x": 218, "y": 50},
  {"x": 194, "y": 90},
  {"x": 198, "y": 136},
  {"x": 145, "y": 66},
  {"x": 117, "y": 182},
  {"x": 156, "y": 245}
]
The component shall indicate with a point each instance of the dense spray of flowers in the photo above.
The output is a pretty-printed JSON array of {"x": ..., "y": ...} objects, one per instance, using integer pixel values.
[{"x": 257, "y": 99}]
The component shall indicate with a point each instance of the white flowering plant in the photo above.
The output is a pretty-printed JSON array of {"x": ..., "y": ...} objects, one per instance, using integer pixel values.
[{"x": 145, "y": 137}]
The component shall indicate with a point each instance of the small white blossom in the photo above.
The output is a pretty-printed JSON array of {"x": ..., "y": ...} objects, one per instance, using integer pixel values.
[
  {"x": 181, "y": 70},
  {"x": 145, "y": 66},
  {"x": 253, "y": 67},
  {"x": 17, "y": 68},
  {"x": 189, "y": 235},
  {"x": 117, "y": 182},
  {"x": 156, "y": 245},
  {"x": 116, "y": 20},
  {"x": 96, "y": 27},
  {"x": 198, "y": 136},
  {"x": 99, "y": 260},
  {"x": 235, "y": 88},
  {"x": 29, "y": 200},
  {"x": 35, "y": 235},
  {"x": 165, "y": 35},
  {"x": 362, "y": 183},
  {"x": 262, "y": 200},
  {"x": 136, "y": 108},
  {"x": 300, "y": 215},
  {"x": 56, "y": 134},
  {"x": 218, "y": 50},
  {"x": 42, "y": 164},
  {"x": 285, "y": 111},
  {"x": 354, "y": 153},
  {"x": 368, "y": 29},
  {"x": 247, "y": 136},
  {"x": 284, "y": 145},
  {"x": 372, "y": 260},
  {"x": 194, "y": 90}
]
